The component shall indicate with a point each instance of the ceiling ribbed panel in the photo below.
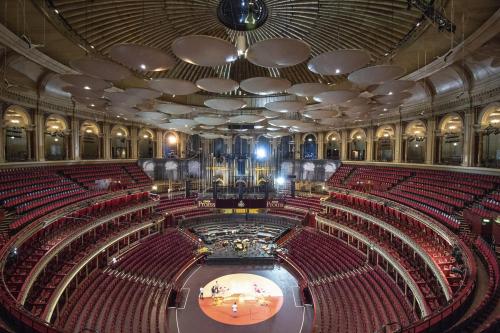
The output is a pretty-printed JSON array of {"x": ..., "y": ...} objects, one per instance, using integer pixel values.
[{"x": 376, "y": 26}]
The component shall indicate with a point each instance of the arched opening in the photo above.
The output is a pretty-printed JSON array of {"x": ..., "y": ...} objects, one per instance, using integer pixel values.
[
  {"x": 170, "y": 144},
  {"x": 241, "y": 151},
  {"x": 309, "y": 147},
  {"x": 90, "y": 144},
  {"x": 146, "y": 143},
  {"x": 451, "y": 140},
  {"x": 287, "y": 147},
  {"x": 332, "y": 148},
  {"x": 193, "y": 145},
  {"x": 219, "y": 148},
  {"x": 415, "y": 142},
  {"x": 489, "y": 140},
  {"x": 119, "y": 143},
  {"x": 384, "y": 144},
  {"x": 56, "y": 138},
  {"x": 17, "y": 137},
  {"x": 357, "y": 145}
]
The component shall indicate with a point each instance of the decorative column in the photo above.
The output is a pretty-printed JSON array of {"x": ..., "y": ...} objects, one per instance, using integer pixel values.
[
  {"x": 369, "y": 144},
  {"x": 321, "y": 145},
  {"x": 39, "y": 135},
  {"x": 75, "y": 139},
  {"x": 298, "y": 142},
  {"x": 430, "y": 149},
  {"x": 398, "y": 133},
  {"x": 344, "y": 147},
  {"x": 134, "y": 143},
  {"x": 468, "y": 142},
  {"x": 182, "y": 144},
  {"x": 480, "y": 142},
  {"x": 159, "y": 144},
  {"x": 2, "y": 142},
  {"x": 106, "y": 135}
]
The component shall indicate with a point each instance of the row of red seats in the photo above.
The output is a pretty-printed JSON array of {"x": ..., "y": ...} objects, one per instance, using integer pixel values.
[
  {"x": 24, "y": 202},
  {"x": 458, "y": 203},
  {"x": 446, "y": 219},
  {"x": 31, "y": 216},
  {"x": 152, "y": 258},
  {"x": 441, "y": 190},
  {"x": 330, "y": 257},
  {"x": 362, "y": 302}
]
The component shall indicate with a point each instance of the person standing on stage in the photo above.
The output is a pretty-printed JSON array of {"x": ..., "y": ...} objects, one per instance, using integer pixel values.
[
  {"x": 234, "y": 307},
  {"x": 201, "y": 293},
  {"x": 213, "y": 291}
]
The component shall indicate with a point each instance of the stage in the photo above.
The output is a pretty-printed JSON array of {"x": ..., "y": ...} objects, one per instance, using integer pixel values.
[{"x": 267, "y": 299}]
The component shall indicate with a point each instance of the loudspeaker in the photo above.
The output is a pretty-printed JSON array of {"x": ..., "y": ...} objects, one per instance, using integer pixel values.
[{"x": 292, "y": 188}]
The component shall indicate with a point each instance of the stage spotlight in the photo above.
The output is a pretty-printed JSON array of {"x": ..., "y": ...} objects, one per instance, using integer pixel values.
[
  {"x": 260, "y": 153},
  {"x": 280, "y": 181}
]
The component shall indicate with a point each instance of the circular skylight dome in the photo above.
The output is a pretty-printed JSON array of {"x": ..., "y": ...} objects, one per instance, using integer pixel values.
[{"x": 242, "y": 15}]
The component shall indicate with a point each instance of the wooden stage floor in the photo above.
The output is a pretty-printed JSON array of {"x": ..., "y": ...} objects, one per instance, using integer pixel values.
[{"x": 267, "y": 298}]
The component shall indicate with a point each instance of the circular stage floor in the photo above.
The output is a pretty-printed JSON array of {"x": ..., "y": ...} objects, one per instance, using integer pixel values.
[{"x": 267, "y": 299}]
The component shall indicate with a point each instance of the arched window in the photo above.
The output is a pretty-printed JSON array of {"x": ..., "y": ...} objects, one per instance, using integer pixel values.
[
  {"x": 332, "y": 143},
  {"x": 310, "y": 148},
  {"x": 170, "y": 144},
  {"x": 384, "y": 144},
  {"x": 489, "y": 138},
  {"x": 17, "y": 137},
  {"x": 415, "y": 142},
  {"x": 357, "y": 145},
  {"x": 119, "y": 142},
  {"x": 90, "y": 143},
  {"x": 56, "y": 138},
  {"x": 145, "y": 143},
  {"x": 451, "y": 140}
]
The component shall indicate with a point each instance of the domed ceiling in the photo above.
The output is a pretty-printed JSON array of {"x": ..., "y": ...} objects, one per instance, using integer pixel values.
[
  {"x": 375, "y": 26},
  {"x": 189, "y": 65}
]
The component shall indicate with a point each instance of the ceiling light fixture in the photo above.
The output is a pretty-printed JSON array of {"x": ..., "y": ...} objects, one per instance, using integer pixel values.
[{"x": 86, "y": 87}]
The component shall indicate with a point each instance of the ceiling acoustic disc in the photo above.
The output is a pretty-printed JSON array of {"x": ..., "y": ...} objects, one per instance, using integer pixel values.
[
  {"x": 174, "y": 109},
  {"x": 83, "y": 93},
  {"x": 85, "y": 82},
  {"x": 393, "y": 98},
  {"x": 375, "y": 74},
  {"x": 119, "y": 98},
  {"x": 173, "y": 86},
  {"x": 265, "y": 85},
  {"x": 392, "y": 87},
  {"x": 151, "y": 115},
  {"x": 269, "y": 114},
  {"x": 321, "y": 114},
  {"x": 338, "y": 62},
  {"x": 278, "y": 52},
  {"x": 204, "y": 50},
  {"x": 143, "y": 93},
  {"x": 285, "y": 122},
  {"x": 308, "y": 89},
  {"x": 285, "y": 106},
  {"x": 122, "y": 110},
  {"x": 101, "y": 68},
  {"x": 358, "y": 101},
  {"x": 336, "y": 96},
  {"x": 246, "y": 119},
  {"x": 141, "y": 58},
  {"x": 210, "y": 121},
  {"x": 225, "y": 104},
  {"x": 216, "y": 85},
  {"x": 181, "y": 122}
]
